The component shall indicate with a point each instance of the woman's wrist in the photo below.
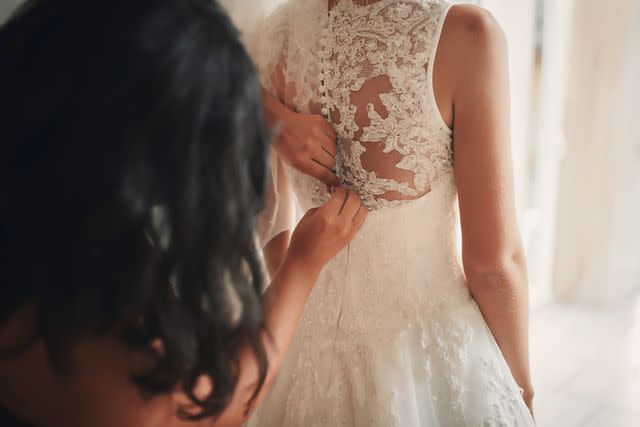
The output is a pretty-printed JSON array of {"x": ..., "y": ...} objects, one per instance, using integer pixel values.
[{"x": 274, "y": 110}]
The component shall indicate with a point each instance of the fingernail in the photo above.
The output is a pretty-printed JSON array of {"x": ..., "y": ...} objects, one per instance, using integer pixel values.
[
  {"x": 203, "y": 387},
  {"x": 158, "y": 346}
]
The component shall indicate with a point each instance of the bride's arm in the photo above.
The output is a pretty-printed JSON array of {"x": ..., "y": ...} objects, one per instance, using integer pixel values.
[{"x": 475, "y": 50}]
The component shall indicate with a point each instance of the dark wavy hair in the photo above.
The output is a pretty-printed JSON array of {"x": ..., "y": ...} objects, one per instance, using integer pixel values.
[{"x": 134, "y": 157}]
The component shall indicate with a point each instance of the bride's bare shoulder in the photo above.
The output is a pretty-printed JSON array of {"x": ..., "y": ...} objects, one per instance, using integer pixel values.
[
  {"x": 467, "y": 20},
  {"x": 471, "y": 43},
  {"x": 469, "y": 30}
]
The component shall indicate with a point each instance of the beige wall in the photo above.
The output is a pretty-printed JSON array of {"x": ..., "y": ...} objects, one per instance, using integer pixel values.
[
  {"x": 594, "y": 246},
  {"x": 597, "y": 258}
]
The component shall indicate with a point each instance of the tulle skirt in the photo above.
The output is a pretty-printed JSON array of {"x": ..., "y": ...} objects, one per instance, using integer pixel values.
[{"x": 391, "y": 336}]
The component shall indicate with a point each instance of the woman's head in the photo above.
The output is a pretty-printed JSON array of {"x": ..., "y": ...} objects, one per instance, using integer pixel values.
[{"x": 135, "y": 155}]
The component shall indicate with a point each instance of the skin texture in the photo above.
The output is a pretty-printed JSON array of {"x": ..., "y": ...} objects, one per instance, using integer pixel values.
[
  {"x": 97, "y": 390},
  {"x": 319, "y": 236},
  {"x": 472, "y": 93},
  {"x": 471, "y": 82},
  {"x": 305, "y": 141},
  {"x": 275, "y": 251}
]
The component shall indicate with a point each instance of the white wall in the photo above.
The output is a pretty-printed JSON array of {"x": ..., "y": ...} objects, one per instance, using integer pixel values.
[
  {"x": 548, "y": 146},
  {"x": 597, "y": 251},
  {"x": 586, "y": 247}
]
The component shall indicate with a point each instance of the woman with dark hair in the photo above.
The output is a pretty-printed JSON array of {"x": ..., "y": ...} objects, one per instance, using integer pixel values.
[{"x": 134, "y": 159}]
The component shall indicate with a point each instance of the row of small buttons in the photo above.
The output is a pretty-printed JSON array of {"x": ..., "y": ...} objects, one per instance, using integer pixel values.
[{"x": 324, "y": 54}]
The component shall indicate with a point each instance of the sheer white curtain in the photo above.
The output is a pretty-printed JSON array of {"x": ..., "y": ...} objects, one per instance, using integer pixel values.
[{"x": 597, "y": 248}]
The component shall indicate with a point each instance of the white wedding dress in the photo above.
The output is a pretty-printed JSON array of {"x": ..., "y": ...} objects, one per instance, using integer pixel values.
[{"x": 390, "y": 335}]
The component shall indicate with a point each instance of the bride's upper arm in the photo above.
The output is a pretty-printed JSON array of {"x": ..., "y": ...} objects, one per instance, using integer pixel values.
[{"x": 482, "y": 154}]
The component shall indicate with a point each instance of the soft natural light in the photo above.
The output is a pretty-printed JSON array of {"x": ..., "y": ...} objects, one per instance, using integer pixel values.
[{"x": 574, "y": 68}]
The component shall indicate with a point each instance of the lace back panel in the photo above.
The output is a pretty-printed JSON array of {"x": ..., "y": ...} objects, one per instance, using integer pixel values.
[
  {"x": 377, "y": 68},
  {"x": 372, "y": 78}
]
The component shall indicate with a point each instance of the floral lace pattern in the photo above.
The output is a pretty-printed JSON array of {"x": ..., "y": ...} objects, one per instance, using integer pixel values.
[
  {"x": 384, "y": 51},
  {"x": 390, "y": 335}
]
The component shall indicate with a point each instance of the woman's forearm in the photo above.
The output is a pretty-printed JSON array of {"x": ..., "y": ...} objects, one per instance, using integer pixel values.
[
  {"x": 319, "y": 236},
  {"x": 273, "y": 109},
  {"x": 283, "y": 302},
  {"x": 502, "y": 295}
]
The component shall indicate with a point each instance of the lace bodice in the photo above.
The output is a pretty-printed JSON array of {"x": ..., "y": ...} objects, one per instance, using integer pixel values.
[
  {"x": 390, "y": 335},
  {"x": 372, "y": 78}
]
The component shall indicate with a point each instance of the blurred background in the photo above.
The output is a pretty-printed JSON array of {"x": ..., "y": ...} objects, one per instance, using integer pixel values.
[
  {"x": 575, "y": 82},
  {"x": 575, "y": 79}
]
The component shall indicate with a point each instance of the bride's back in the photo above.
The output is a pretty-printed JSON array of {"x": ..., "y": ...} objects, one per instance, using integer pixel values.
[
  {"x": 369, "y": 70},
  {"x": 390, "y": 335}
]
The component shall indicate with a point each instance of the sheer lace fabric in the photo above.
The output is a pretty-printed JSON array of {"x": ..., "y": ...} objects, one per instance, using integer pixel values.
[
  {"x": 390, "y": 335},
  {"x": 370, "y": 69},
  {"x": 376, "y": 78}
]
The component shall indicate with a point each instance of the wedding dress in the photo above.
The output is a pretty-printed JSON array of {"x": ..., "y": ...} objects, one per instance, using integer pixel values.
[{"x": 390, "y": 335}]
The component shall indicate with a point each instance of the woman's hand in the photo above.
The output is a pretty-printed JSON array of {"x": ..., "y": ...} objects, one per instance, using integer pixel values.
[
  {"x": 304, "y": 141},
  {"x": 324, "y": 231},
  {"x": 319, "y": 236}
]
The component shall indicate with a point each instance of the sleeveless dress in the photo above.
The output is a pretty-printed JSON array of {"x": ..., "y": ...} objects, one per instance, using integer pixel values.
[{"x": 390, "y": 335}]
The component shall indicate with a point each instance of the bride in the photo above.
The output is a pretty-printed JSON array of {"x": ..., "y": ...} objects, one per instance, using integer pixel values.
[{"x": 402, "y": 328}]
